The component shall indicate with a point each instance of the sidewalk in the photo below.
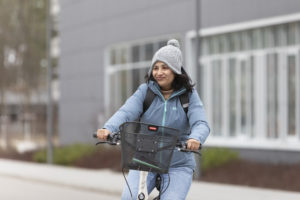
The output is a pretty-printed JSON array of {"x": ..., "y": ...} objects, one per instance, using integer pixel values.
[{"x": 105, "y": 181}]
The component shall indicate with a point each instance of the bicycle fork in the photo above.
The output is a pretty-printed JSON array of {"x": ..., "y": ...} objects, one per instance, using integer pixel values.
[{"x": 143, "y": 191}]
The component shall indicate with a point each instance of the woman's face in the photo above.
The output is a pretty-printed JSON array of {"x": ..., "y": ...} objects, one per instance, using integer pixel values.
[{"x": 163, "y": 75}]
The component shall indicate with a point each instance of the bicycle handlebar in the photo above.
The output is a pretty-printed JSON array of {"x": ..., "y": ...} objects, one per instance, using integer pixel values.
[{"x": 114, "y": 139}]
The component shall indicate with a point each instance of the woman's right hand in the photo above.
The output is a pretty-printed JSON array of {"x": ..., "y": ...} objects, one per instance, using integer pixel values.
[{"x": 103, "y": 133}]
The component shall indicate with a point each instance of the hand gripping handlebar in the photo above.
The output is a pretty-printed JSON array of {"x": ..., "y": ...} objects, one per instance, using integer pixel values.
[
  {"x": 182, "y": 146},
  {"x": 112, "y": 139}
]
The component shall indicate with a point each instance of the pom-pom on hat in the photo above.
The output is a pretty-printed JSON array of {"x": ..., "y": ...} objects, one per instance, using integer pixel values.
[{"x": 169, "y": 54}]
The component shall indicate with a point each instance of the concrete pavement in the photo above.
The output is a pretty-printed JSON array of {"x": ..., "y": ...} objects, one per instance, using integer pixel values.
[
  {"x": 108, "y": 182},
  {"x": 23, "y": 189}
]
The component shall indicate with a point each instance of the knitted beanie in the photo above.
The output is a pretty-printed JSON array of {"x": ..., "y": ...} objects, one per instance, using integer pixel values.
[{"x": 170, "y": 55}]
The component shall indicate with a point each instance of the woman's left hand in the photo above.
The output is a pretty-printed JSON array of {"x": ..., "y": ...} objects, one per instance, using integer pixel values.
[{"x": 193, "y": 144}]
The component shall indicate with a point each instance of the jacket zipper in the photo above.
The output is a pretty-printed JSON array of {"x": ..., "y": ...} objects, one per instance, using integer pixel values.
[
  {"x": 165, "y": 112},
  {"x": 165, "y": 106}
]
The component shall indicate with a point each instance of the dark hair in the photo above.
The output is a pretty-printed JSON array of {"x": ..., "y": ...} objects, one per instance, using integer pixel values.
[{"x": 180, "y": 80}]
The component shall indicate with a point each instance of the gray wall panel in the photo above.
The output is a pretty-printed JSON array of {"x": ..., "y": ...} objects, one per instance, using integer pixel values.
[
  {"x": 221, "y": 12},
  {"x": 87, "y": 27}
]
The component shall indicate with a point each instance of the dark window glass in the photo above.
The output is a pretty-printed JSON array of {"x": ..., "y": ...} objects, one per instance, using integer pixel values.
[
  {"x": 291, "y": 34},
  {"x": 243, "y": 90},
  {"x": 252, "y": 98},
  {"x": 291, "y": 95},
  {"x": 135, "y": 79},
  {"x": 148, "y": 51},
  {"x": 135, "y": 54},
  {"x": 232, "y": 96},
  {"x": 217, "y": 97},
  {"x": 113, "y": 57},
  {"x": 272, "y": 96}
]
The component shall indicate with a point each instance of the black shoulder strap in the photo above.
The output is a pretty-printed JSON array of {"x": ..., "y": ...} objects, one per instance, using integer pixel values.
[
  {"x": 185, "y": 100},
  {"x": 148, "y": 100}
]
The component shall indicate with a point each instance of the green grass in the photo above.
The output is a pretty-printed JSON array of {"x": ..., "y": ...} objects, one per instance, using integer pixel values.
[
  {"x": 66, "y": 155},
  {"x": 215, "y": 157}
]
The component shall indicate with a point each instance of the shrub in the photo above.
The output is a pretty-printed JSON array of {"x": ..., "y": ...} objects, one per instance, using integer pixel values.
[
  {"x": 215, "y": 157},
  {"x": 65, "y": 155}
]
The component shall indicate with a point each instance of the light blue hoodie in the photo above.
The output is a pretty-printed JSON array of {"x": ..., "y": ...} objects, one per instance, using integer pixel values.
[{"x": 168, "y": 113}]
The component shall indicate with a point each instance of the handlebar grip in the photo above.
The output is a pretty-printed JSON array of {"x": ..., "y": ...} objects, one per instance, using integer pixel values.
[{"x": 109, "y": 137}]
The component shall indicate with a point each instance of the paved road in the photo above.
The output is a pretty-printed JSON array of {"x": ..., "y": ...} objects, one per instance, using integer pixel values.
[
  {"x": 20, "y": 189},
  {"x": 32, "y": 181}
]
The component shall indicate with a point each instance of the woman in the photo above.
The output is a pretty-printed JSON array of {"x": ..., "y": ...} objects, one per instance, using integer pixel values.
[{"x": 168, "y": 80}]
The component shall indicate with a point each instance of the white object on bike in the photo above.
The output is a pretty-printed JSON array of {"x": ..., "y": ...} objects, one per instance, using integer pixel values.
[{"x": 143, "y": 191}]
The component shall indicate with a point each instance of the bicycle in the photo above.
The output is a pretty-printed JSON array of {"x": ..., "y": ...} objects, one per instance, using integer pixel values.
[{"x": 146, "y": 148}]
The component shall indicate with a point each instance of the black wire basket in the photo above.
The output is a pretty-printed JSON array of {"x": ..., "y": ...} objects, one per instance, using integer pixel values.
[{"x": 147, "y": 147}]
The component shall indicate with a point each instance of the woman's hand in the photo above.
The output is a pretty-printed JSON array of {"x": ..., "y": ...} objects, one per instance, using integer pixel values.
[
  {"x": 193, "y": 144},
  {"x": 103, "y": 133}
]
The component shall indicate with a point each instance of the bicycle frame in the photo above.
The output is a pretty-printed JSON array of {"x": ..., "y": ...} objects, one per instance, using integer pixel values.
[{"x": 143, "y": 192}]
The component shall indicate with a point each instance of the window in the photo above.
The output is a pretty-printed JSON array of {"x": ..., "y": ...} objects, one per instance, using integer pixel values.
[
  {"x": 135, "y": 78},
  {"x": 258, "y": 72},
  {"x": 217, "y": 96},
  {"x": 123, "y": 77},
  {"x": 204, "y": 46},
  {"x": 291, "y": 33},
  {"x": 272, "y": 95},
  {"x": 281, "y": 35},
  {"x": 200, "y": 80},
  {"x": 232, "y": 96},
  {"x": 112, "y": 93},
  {"x": 243, "y": 91},
  {"x": 124, "y": 56},
  {"x": 135, "y": 54},
  {"x": 113, "y": 56},
  {"x": 257, "y": 38},
  {"x": 291, "y": 67},
  {"x": 252, "y": 96},
  {"x": 149, "y": 51},
  {"x": 268, "y": 38}
]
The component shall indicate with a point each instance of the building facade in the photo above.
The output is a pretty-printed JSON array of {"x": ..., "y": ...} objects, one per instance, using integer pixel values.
[{"x": 247, "y": 74}]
